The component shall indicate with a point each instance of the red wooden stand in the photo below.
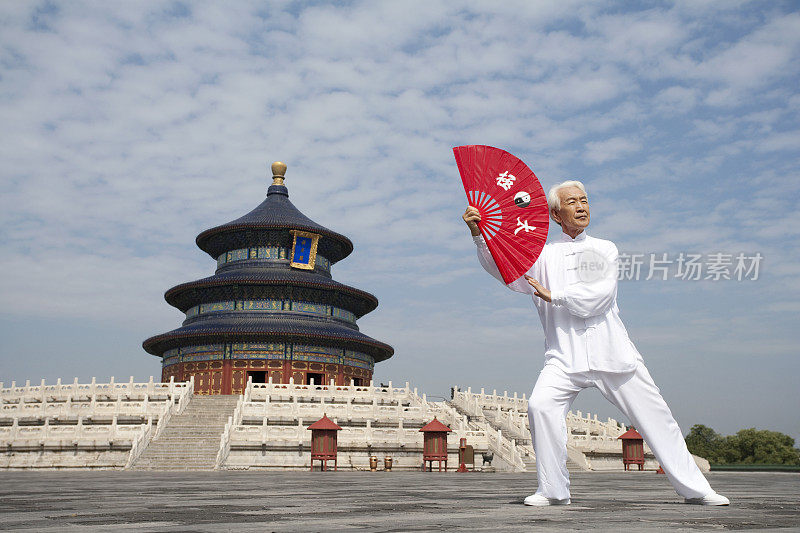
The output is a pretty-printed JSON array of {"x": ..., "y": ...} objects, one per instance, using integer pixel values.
[
  {"x": 632, "y": 449},
  {"x": 323, "y": 442},
  {"x": 435, "y": 445}
]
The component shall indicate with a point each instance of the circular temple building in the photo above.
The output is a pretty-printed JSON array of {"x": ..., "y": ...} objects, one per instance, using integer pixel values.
[{"x": 272, "y": 309}]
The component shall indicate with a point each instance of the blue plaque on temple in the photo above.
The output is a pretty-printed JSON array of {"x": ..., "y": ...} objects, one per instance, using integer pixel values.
[{"x": 304, "y": 250}]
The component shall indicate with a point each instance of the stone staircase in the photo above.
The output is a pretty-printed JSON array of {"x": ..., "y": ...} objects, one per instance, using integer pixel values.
[
  {"x": 497, "y": 423},
  {"x": 191, "y": 440},
  {"x": 482, "y": 423},
  {"x": 529, "y": 459},
  {"x": 525, "y": 444}
]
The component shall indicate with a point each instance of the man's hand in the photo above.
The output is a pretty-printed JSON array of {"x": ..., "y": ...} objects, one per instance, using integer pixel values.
[
  {"x": 471, "y": 216},
  {"x": 541, "y": 292}
]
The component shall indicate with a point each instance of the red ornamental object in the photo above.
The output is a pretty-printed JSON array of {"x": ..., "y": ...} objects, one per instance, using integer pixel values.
[
  {"x": 434, "y": 446},
  {"x": 512, "y": 204},
  {"x": 632, "y": 449},
  {"x": 323, "y": 442}
]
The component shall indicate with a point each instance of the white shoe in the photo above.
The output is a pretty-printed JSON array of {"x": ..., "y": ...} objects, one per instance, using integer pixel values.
[
  {"x": 709, "y": 499},
  {"x": 539, "y": 500}
]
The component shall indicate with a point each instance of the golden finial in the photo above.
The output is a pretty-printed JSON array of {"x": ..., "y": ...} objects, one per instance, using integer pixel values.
[{"x": 278, "y": 172}]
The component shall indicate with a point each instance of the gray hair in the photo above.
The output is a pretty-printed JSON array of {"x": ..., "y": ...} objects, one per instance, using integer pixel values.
[{"x": 553, "y": 201}]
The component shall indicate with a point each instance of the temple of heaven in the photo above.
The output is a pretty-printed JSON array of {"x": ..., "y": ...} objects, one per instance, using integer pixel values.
[{"x": 272, "y": 309}]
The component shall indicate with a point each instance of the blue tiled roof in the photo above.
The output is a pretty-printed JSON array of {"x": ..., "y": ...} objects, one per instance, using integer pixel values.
[
  {"x": 186, "y": 295},
  {"x": 276, "y": 212},
  {"x": 246, "y": 327}
]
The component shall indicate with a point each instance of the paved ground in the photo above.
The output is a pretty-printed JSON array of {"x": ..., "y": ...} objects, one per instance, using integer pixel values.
[{"x": 396, "y": 501}]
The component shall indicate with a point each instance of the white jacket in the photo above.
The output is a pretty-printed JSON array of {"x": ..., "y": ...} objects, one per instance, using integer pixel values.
[{"x": 582, "y": 327}]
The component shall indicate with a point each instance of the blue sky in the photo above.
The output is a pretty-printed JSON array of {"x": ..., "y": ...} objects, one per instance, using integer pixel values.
[{"x": 130, "y": 127}]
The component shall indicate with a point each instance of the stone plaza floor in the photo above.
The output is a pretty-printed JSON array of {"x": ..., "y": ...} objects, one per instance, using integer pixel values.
[{"x": 381, "y": 501}]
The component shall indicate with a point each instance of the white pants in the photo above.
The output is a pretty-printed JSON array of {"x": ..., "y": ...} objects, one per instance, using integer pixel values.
[{"x": 636, "y": 395}]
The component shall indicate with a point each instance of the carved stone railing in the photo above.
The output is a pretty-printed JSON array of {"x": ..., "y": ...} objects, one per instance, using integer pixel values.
[
  {"x": 61, "y": 392},
  {"x": 510, "y": 414},
  {"x": 140, "y": 444},
  {"x": 322, "y": 392}
]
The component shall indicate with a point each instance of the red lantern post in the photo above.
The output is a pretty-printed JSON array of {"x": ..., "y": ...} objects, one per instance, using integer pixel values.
[
  {"x": 632, "y": 449},
  {"x": 434, "y": 445},
  {"x": 323, "y": 442}
]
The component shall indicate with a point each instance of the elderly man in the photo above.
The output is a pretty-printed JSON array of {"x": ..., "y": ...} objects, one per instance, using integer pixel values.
[{"x": 574, "y": 287}]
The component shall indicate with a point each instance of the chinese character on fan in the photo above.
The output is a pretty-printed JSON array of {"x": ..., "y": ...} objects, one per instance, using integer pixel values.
[
  {"x": 506, "y": 180},
  {"x": 523, "y": 225}
]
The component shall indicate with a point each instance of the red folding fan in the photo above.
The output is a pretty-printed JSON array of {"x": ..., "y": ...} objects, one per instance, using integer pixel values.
[{"x": 512, "y": 204}]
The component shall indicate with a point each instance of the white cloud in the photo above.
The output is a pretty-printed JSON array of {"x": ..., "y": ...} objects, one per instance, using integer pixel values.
[
  {"x": 676, "y": 99},
  {"x": 788, "y": 140},
  {"x": 607, "y": 150},
  {"x": 759, "y": 57}
]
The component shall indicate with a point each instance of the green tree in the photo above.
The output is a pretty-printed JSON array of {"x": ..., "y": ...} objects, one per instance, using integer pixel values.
[
  {"x": 755, "y": 446},
  {"x": 703, "y": 441},
  {"x": 748, "y": 446}
]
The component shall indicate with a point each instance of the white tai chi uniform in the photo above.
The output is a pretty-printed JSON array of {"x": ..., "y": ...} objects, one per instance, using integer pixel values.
[{"x": 586, "y": 345}]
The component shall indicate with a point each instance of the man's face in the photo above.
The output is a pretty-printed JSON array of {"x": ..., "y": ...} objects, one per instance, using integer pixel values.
[{"x": 574, "y": 212}]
